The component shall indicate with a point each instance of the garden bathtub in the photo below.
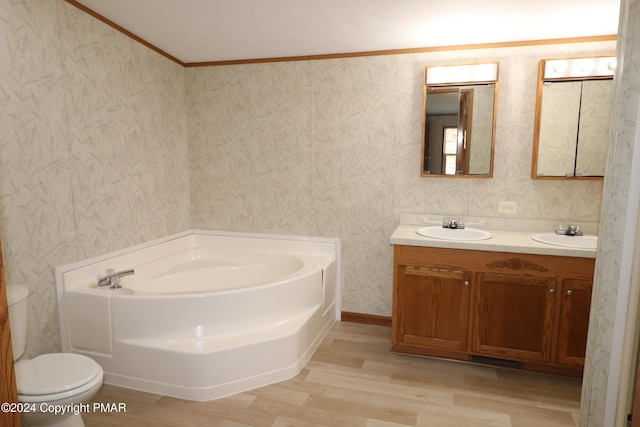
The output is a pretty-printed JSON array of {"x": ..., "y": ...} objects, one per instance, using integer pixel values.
[{"x": 206, "y": 314}]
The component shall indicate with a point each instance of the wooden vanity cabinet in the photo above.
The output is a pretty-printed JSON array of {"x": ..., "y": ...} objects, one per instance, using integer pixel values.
[
  {"x": 522, "y": 310},
  {"x": 435, "y": 307},
  {"x": 513, "y": 316},
  {"x": 574, "y": 322}
]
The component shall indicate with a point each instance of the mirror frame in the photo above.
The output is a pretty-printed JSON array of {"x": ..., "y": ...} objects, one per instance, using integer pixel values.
[
  {"x": 460, "y": 75},
  {"x": 570, "y": 71}
]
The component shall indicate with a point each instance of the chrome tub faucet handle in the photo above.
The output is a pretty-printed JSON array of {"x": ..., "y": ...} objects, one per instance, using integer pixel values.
[{"x": 111, "y": 278}]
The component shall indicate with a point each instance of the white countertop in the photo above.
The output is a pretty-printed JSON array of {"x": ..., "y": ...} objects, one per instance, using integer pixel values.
[{"x": 502, "y": 241}]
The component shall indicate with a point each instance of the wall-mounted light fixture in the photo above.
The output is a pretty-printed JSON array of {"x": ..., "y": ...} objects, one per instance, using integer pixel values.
[
  {"x": 457, "y": 74},
  {"x": 603, "y": 66}
]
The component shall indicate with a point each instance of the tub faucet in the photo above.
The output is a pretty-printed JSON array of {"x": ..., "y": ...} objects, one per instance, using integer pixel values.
[{"x": 111, "y": 278}]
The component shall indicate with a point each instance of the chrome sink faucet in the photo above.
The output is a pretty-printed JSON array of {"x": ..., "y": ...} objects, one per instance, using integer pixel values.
[
  {"x": 453, "y": 223},
  {"x": 111, "y": 278},
  {"x": 571, "y": 230}
]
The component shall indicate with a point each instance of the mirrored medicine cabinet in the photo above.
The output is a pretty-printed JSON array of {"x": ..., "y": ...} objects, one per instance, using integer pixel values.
[
  {"x": 459, "y": 116},
  {"x": 573, "y": 118}
]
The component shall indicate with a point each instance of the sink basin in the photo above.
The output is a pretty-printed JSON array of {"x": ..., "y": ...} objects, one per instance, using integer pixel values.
[
  {"x": 437, "y": 232},
  {"x": 581, "y": 242}
]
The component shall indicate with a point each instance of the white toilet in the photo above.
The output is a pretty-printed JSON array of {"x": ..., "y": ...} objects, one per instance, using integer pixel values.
[{"x": 49, "y": 382}]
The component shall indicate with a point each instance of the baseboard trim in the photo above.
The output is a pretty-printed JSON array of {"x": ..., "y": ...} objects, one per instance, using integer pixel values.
[{"x": 369, "y": 319}]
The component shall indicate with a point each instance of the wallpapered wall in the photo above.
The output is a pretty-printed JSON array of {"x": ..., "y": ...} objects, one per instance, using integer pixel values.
[
  {"x": 333, "y": 147},
  {"x": 616, "y": 272},
  {"x": 106, "y": 144},
  {"x": 93, "y": 148}
]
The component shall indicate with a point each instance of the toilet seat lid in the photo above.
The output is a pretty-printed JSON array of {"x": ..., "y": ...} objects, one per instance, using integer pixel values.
[{"x": 55, "y": 373}]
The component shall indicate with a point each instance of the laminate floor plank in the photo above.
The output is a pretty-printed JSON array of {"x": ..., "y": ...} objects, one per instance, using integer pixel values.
[
  {"x": 354, "y": 380},
  {"x": 458, "y": 417},
  {"x": 374, "y": 409},
  {"x": 521, "y": 414}
]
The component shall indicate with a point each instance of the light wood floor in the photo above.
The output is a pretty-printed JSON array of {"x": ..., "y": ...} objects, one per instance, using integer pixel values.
[{"x": 354, "y": 380}]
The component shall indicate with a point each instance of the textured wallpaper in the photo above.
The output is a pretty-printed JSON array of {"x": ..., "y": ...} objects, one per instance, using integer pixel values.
[
  {"x": 616, "y": 261},
  {"x": 93, "y": 148},
  {"x": 332, "y": 148},
  {"x": 127, "y": 134},
  {"x": 36, "y": 201}
]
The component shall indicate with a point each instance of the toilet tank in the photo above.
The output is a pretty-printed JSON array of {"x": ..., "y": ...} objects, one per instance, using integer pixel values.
[{"x": 18, "y": 301}]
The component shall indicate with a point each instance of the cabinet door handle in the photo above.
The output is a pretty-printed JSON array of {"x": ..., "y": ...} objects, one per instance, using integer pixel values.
[
  {"x": 569, "y": 292},
  {"x": 552, "y": 291},
  {"x": 466, "y": 283}
]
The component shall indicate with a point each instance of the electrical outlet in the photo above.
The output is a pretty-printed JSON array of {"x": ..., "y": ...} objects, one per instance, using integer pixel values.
[{"x": 510, "y": 208}]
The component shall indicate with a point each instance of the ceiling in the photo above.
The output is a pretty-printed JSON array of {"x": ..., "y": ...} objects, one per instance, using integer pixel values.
[{"x": 197, "y": 31}]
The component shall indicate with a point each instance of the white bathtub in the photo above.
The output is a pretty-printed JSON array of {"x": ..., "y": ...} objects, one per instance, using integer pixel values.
[{"x": 206, "y": 314}]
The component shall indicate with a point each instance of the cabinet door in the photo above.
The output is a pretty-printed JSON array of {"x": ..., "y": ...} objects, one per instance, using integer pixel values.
[
  {"x": 574, "y": 321},
  {"x": 433, "y": 308},
  {"x": 513, "y": 316}
]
